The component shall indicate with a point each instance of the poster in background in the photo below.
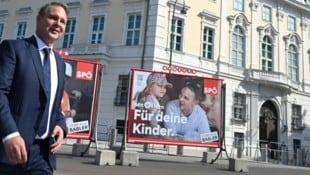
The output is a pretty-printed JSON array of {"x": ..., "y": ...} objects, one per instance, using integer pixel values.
[
  {"x": 163, "y": 117},
  {"x": 79, "y": 99}
]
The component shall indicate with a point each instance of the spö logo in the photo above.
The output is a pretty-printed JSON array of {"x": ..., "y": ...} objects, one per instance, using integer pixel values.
[
  {"x": 210, "y": 86},
  {"x": 84, "y": 71}
]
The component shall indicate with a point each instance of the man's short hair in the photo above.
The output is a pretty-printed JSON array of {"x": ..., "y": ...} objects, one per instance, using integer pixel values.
[
  {"x": 42, "y": 10},
  {"x": 196, "y": 88}
]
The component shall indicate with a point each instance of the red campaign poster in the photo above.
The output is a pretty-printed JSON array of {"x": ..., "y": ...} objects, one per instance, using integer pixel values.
[
  {"x": 176, "y": 109},
  {"x": 79, "y": 98}
]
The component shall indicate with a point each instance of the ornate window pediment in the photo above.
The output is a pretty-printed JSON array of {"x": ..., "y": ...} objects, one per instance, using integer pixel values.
[
  {"x": 293, "y": 38},
  {"x": 267, "y": 30},
  {"x": 239, "y": 19}
]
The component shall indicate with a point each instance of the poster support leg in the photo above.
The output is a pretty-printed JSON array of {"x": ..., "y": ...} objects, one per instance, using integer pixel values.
[
  {"x": 220, "y": 153},
  {"x": 223, "y": 147},
  {"x": 87, "y": 148}
]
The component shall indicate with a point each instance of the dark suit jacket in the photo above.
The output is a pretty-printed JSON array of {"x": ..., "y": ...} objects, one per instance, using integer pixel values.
[{"x": 22, "y": 94}]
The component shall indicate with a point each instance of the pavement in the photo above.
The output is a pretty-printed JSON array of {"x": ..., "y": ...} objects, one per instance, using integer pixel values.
[{"x": 159, "y": 162}]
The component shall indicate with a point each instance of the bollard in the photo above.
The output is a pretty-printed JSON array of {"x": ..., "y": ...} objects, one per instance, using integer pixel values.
[
  {"x": 284, "y": 155},
  {"x": 240, "y": 165},
  {"x": 179, "y": 150},
  {"x": 299, "y": 157},
  {"x": 239, "y": 152},
  {"x": 264, "y": 149},
  {"x": 145, "y": 147}
]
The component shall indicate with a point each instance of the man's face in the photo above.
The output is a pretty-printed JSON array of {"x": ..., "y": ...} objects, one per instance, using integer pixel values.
[
  {"x": 51, "y": 26},
  {"x": 187, "y": 101}
]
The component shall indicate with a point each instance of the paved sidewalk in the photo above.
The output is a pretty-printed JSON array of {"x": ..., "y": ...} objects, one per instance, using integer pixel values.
[{"x": 158, "y": 164}]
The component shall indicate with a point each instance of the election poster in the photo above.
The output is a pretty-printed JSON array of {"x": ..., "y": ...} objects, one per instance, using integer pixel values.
[
  {"x": 79, "y": 102},
  {"x": 174, "y": 108}
]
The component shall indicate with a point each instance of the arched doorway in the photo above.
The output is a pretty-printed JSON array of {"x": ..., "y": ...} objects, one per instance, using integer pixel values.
[{"x": 268, "y": 126}]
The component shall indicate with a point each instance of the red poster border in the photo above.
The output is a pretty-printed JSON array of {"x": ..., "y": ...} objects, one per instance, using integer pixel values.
[{"x": 141, "y": 140}]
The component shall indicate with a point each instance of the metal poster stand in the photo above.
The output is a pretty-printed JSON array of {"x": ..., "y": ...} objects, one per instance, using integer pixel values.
[{"x": 223, "y": 144}]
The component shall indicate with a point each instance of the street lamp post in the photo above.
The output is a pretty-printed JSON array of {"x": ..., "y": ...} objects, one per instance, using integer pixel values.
[{"x": 183, "y": 11}]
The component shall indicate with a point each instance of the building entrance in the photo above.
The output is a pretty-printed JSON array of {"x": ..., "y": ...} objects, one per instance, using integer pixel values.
[{"x": 268, "y": 127}]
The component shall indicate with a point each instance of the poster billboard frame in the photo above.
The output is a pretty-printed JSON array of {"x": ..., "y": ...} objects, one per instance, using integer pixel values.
[
  {"x": 143, "y": 140},
  {"x": 88, "y": 135}
]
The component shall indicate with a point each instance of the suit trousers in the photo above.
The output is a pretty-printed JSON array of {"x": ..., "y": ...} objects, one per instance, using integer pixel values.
[{"x": 37, "y": 164}]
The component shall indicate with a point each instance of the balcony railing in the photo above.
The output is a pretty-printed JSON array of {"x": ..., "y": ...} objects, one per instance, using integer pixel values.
[
  {"x": 86, "y": 49},
  {"x": 273, "y": 78}
]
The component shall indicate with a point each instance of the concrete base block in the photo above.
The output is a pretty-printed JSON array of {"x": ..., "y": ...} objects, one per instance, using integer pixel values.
[
  {"x": 239, "y": 165},
  {"x": 129, "y": 158},
  {"x": 207, "y": 157},
  {"x": 105, "y": 157},
  {"x": 78, "y": 149}
]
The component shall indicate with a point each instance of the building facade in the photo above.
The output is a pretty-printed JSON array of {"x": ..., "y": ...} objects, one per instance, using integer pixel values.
[{"x": 260, "y": 48}]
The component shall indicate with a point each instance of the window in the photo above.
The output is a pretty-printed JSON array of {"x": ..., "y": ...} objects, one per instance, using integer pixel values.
[
  {"x": 97, "y": 30},
  {"x": 176, "y": 34},
  {"x": 238, "y": 5},
  {"x": 133, "y": 29},
  {"x": 69, "y": 33},
  {"x": 267, "y": 52},
  {"x": 293, "y": 63},
  {"x": 208, "y": 43},
  {"x": 238, "y": 42},
  {"x": 239, "y": 106},
  {"x": 21, "y": 30},
  {"x": 291, "y": 23},
  {"x": 267, "y": 13},
  {"x": 238, "y": 140},
  {"x": 120, "y": 126},
  {"x": 122, "y": 90},
  {"x": 296, "y": 117},
  {"x": 1, "y": 31}
]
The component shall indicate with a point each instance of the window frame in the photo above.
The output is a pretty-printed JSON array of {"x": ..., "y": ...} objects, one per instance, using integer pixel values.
[
  {"x": 239, "y": 108},
  {"x": 238, "y": 53},
  {"x": 176, "y": 33},
  {"x": 239, "y": 5},
  {"x": 267, "y": 13},
  {"x": 122, "y": 89},
  {"x": 98, "y": 33},
  {"x": 207, "y": 46},
  {"x": 21, "y": 29},
  {"x": 238, "y": 140},
  {"x": 291, "y": 23},
  {"x": 70, "y": 34},
  {"x": 265, "y": 60},
  {"x": 297, "y": 122},
  {"x": 292, "y": 65},
  {"x": 135, "y": 38}
]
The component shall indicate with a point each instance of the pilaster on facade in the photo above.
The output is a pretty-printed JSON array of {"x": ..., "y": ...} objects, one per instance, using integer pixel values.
[
  {"x": 254, "y": 62},
  {"x": 280, "y": 14},
  {"x": 156, "y": 30},
  {"x": 254, "y": 5},
  {"x": 304, "y": 25}
]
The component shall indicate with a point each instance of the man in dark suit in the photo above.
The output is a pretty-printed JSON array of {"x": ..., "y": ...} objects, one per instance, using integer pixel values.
[{"x": 32, "y": 127}]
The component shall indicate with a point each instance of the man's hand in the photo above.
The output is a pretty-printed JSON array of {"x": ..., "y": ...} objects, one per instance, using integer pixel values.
[
  {"x": 16, "y": 150},
  {"x": 58, "y": 134}
]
